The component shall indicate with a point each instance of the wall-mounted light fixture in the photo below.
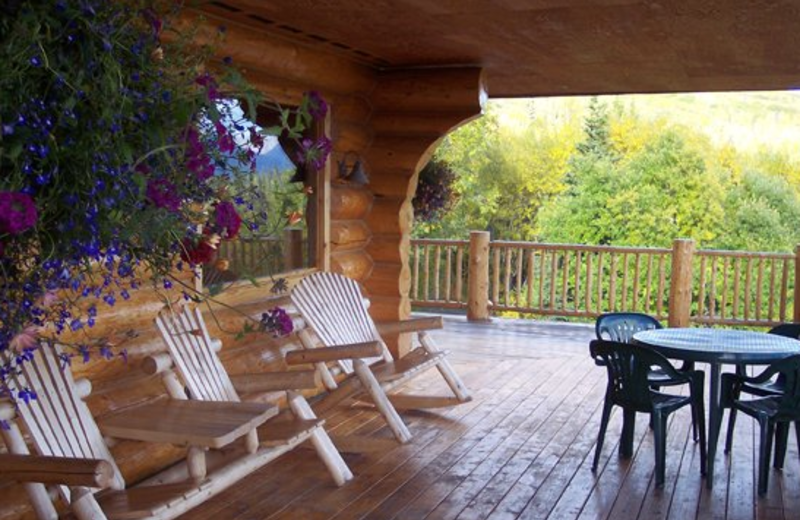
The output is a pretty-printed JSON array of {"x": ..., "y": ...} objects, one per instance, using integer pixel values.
[{"x": 354, "y": 173}]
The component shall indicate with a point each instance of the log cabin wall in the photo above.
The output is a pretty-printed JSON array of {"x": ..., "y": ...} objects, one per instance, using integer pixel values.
[{"x": 392, "y": 120}]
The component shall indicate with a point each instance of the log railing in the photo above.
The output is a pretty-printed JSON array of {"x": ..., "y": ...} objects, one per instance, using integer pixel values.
[{"x": 679, "y": 285}]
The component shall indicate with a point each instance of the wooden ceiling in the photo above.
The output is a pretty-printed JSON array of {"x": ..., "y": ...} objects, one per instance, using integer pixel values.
[{"x": 553, "y": 47}]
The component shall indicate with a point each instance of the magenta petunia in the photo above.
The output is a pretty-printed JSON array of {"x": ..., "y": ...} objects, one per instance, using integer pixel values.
[
  {"x": 163, "y": 194},
  {"x": 17, "y": 212},
  {"x": 226, "y": 218},
  {"x": 317, "y": 107}
]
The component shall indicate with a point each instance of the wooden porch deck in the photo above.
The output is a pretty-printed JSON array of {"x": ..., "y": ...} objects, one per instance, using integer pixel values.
[{"x": 521, "y": 449}]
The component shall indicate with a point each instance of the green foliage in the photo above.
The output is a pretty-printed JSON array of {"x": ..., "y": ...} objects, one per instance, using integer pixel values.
[{"x": 622, "y": 173}]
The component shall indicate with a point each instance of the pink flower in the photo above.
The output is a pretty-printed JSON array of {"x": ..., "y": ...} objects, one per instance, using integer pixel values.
[
  {"x": 17, "y": 212},
  {"x": 27, "y": 338}
]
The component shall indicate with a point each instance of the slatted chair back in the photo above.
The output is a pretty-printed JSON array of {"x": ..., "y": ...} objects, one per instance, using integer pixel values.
[
  {"x": 621, "y": 326},
  {"x": 192, "y": 351},
  {"x": 334, "y": 308},
  {"x": 58, "y": 420}
]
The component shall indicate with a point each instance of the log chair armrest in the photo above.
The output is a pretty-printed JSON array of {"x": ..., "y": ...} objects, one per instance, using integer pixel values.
[
  {"x": 323, "y": 354},
  {"x": 412, "y": 325},
  {"x": 276, "y": 381},
  {"x": 158, "y": 363},
  {"x": 64, "y": 471}
]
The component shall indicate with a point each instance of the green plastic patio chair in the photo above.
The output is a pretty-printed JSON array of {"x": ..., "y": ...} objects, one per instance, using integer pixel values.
[
  {"x": 629, "y": 387},
  {"x": 770, "y": 411}
]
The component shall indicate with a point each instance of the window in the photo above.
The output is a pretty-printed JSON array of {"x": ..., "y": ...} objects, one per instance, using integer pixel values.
[{"x": 281, "y": 232}]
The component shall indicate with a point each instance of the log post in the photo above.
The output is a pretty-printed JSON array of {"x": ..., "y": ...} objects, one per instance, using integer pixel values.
[
  {"x": 680, "y": 287},
  {"x": 292, "y": 248},
  {"x": 478, "y": 281},
  {"x": 797, "y": 284}
]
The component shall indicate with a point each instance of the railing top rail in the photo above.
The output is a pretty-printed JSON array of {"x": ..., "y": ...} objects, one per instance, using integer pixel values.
[
  {"x": 438, "y": 242},
  {"x": 743, "y": 254},
  {"x": 579, "y": 247}
]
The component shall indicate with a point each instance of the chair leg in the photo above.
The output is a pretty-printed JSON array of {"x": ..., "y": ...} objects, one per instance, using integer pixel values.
[
  {"x": 781, "y": 440},
  {"x": 628, "y": 431},
  {"x": 767, "y": 431},
  {"x": 731, "y": 424},
  {"x": 660, "y": 438},
  {"x": 601, "y": 435},
  {"x": 382, "y": 403},
  {"x": 322, "y": 442},
  {"x": 797, "y": 434},
  {"x": 445, "y": 369}
]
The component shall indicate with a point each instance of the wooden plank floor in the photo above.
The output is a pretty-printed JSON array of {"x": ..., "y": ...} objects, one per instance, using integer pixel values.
[{"x": 521, "y": 449}]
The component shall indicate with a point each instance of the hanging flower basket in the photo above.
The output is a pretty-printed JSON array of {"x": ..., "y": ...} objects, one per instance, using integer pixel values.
[{"x": 121, "y": 162}]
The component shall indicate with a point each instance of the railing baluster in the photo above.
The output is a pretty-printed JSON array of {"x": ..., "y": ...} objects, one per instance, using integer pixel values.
[
  {"x": 520, "y": 258},
  {"x": 588, "y": 303},
  {"x": 541, "y": 278},
  {"x": 759, "y": 287},
  {"x": 747, "y": 288},
  {"x": 701, "y": 295},
  {"x": 712, "y": 290},
  {"x": 426, "y": 286},
  {"x": 564, "y": 277},
  {"x": 636, "y": 269},
  {"x": 661, "y": 284},
  {"x": 600, "y": 281},
  {"x": 496, "y": 277},
  {"x": 771, "y": 310},
  {"x": 576, "y": 293},
  {"x": 612, "y": 284},
  {"x": 723, "y": 304},
  {"x": 416, "y": 272},
  {"x": 624, "y": 295},
  {"x": 437, "y": 266},
  {"x": 784, "y": 288},
  {"x": 448, "y": 273},
  {"x": 507, "y": 278},
  {"x": 737, "y": 273},
  {"x": 649, "y": 282},
  {"x": 531, "y": 256},
  {"x": 553, "y": 267},
  {"x": 460, "y": 274}
]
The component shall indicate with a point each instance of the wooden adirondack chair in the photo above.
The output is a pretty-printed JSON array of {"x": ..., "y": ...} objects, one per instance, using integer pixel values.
[
  {"x": 192, "y": 352},
  {"x": 73, "y": 455},
  {"x": 336, "y": 312}
]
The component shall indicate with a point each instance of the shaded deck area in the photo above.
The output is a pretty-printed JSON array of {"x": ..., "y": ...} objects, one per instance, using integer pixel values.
[{"x": 521, "y": 449}]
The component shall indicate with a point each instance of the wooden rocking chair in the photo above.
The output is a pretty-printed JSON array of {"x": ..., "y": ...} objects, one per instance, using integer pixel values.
[
  {"x": 73, "y": 455},
  {"x": 336, "y": 312},
  {"x": 192, "y": 352}
]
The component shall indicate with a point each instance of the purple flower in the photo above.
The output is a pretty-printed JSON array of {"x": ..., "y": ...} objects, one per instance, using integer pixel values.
[
  {"x": 226, "y": 218},
  {"x": 317, "y": 107},
  {"x": 277, "y": 320},
  {"x": 17, "y": 212},
  {"x": 210, "y": 84},
  {"x": 314, "y": 152},
  {"x": 163, "y": 194}
]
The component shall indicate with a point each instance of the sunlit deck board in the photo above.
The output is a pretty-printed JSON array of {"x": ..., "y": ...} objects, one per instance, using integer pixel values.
[{"x": 521, "y": 449}]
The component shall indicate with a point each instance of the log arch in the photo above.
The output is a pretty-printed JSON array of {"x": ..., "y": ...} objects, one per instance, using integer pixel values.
[{"x": 413, "y": 111}]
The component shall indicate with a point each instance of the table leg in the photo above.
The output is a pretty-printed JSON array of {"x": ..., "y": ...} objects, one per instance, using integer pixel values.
[{"x": 714, "y": 421}]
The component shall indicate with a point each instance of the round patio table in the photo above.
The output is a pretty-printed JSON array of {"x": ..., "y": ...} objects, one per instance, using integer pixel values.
[{"x": 715, "y": 347}]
